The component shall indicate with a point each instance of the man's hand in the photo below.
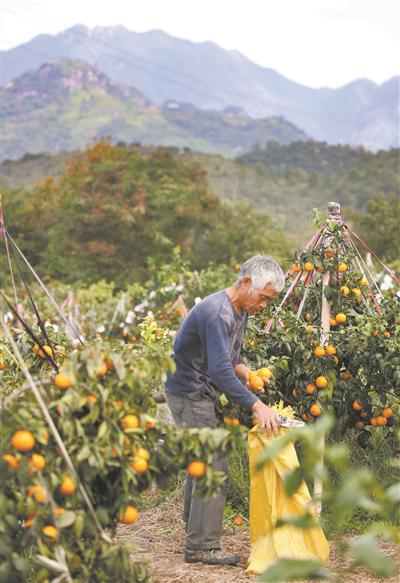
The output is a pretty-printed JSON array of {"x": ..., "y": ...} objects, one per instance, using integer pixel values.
[{"x": 267, "y": 418}]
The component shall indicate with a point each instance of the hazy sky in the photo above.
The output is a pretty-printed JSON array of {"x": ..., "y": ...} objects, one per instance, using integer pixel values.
[{"x": 315, "y": 42}]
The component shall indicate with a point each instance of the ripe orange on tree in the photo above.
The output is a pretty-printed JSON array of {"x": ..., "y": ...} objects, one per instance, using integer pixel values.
[
  {"x": 58, "y": 511},
  {"x": 141, "y": 452},
  {"x": 310, "y": 389},
  {"x": 61, "y": 381},
  {"x": 139, "y": 464},
  {"x": 196, "y": 469},
  {"x": 381, "y": 421},
  {"x": 373, "y": 421},
  {"x": 256, "y": 383},
  {"x": 387, "y": 412},
  {"x": 12, "y": 461},
  {"x": 357, "y": 406},
  {"x": 296, "y": 268},
  {"x": 332, "y": 322},
  {"x": 359, "y": 425},
  {"x": 130, "y": 515},
  {"x": 91, "y": 399},
  {"x": 37, "y": 461},
  {"x": 330, "y": 350},
  {"x": 102, "y": 371},
  {"x": 231, "y": 421},
  {"x": 321, "y": 382},
  {"x": 130, "y": 422},
  {"x": 342, "y": 267},
  {"x": 295, "y": 393},
  {"x": 50, "y": 532},
  {"x": 67, "y": 486},
  {"x": 329, "y": 253},
  {"x": 319, "y": 351},
  {"x": 265, "y": 373},
  {"x": 356, "y": 292},
  {"x": 315, "y": 410},
  {"x": 38, "y": 493},
  {"x": 340, "y": 318},
  {"x": 344, "y": 290},
  {"x": 308, "y": 266},
  {"x": 23, "y": 440},
  {"x": 238, "y": 520},
  {"x": 345, "y": 375},
  {"x": 363, "y": 280}
]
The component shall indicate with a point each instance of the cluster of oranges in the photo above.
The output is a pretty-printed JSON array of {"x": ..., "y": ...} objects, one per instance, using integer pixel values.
[
  {"x": 257, "y": 378},
  {"x": 376, "y": 421}
]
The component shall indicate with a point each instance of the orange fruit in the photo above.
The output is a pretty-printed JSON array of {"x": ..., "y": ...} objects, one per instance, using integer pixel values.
[
  {"x": 119, "y": 404},
  {"x": 62, "y": 381},
  {"x": 329, "y": 253},
  {"x": 238, "y": 520},
  {"x": 143, "y": 453},
  {"x": 50, "y": 531},
  {"x": 342, "y": 267},
  {"x": 139, "y": 464},
  {"x": 373, "y": 422},
  {"x": 38, "y": 493},
  {"x": 58, "y": 511},
  {"x": 23, "y": 440},
  {"x": 357, "y": 406},
  {"x": 296, "y": 268},
  {"x": 321, "y": 382},
  {"x": 265, "y": 373},
  {"x": 363, "y": 280},
  {"x": 130, "y": 515},
  {"x": 91, "y": 400},
  {"x": 305, "y": 417},
  {"x": 309, "y": 329},
  {"x": 330, "y": 350},
  {"x": 386, "y": 334},
  {"x": 12, "y": 461},
  {"x": 110, "y": 364},
  {"x": 231, "y": 421},
  {"x": 356, "y": 292},
  {"x": 381, "y": 420},
  {"x": 37, "y": 461},
  {"x": 47, "y": 351},
  {"x": 332, "y": 322},
  {"x": 387, "y": 412},
  {"x": 363, "y": 414},
  {"x": 340, "y": 318},
  {"x": 28, "y": 522},
  {"x": 345, "y": 375},
  {"x": 196, "y": 469},
  {"x": 344, "y": 290},
  {"x": 315, "y": 410},
  {"x": 335, "y": 359},
  {"x": 359, "y": 425},
  {"x": 67, "y": 486},
  {"x": 103, "y": 370},
  {"x": 319, "y": 351},
  {"x": 150, "y": 424},
  {"x": 308, "y": 266},
  {"x": 130, "y": 422},
  {"x": 295, "y": 393},
  {"x": 310, "y": 388},
  {"x": 256, "y": 383}
]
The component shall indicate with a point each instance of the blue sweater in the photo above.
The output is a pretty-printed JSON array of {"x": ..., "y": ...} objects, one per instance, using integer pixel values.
[{"x": 206, "y": 351}]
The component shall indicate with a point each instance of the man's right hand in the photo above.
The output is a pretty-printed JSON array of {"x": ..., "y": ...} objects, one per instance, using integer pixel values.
[{"x": 267, "y": 418}]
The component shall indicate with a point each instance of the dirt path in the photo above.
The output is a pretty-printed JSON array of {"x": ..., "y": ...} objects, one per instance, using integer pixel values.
[{"x": 159, "y": 537}]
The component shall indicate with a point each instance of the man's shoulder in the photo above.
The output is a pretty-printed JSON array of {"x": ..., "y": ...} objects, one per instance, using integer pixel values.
[{"x": 212, "y": 303}]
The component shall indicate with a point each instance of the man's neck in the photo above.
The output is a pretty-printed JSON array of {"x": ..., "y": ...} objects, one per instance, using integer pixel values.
[{"x": 235, "y": 299}]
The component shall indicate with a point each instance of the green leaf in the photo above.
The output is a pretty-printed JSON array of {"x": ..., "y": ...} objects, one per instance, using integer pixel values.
[
  {"x": 367, "y": 553},
  {"x": 66, "y": 519},
  {"x": 83, "y": 453},
  {"x": 292, "y": 481},
  {"x": 103, "y": 429},
  {"x": 294, "y": 570}
]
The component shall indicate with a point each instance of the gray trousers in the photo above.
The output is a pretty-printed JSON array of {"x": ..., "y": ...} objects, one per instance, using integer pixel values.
[{"x": 204, "y": 518}]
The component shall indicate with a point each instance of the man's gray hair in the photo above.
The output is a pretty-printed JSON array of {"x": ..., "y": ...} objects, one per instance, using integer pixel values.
[{"x": 262, "y": 270}]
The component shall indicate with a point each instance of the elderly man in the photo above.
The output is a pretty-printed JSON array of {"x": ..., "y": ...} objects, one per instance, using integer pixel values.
[{"x": 207, "y": 357}]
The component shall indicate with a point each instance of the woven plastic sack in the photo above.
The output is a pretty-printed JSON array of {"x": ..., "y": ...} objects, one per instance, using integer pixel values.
[{"x": 269, "y": 503}]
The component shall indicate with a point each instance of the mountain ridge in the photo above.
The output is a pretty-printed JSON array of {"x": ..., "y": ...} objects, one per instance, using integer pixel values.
[{"x": 164, "y": 67}]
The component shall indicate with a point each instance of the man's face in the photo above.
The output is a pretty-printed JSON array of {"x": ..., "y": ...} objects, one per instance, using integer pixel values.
[{"x": 257, "y": 300}]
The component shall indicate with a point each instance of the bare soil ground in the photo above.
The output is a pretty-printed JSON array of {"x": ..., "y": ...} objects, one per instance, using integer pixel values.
[{"x": 159, "y": 538}]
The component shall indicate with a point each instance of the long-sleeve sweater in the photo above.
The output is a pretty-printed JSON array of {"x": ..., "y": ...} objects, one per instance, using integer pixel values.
[{"x": 207, "y": 350}]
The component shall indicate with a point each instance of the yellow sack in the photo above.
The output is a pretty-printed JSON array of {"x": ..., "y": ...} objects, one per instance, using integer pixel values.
[{"x": 269, "y": 503}]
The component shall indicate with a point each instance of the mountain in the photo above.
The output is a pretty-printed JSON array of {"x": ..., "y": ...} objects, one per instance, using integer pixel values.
[
  {"x": 65, "y": 105},
  {"x": 167, "y": 68}
]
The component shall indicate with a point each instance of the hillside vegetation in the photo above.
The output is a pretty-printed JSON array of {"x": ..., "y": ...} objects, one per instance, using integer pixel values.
[{"x": 115, "y": 208}]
